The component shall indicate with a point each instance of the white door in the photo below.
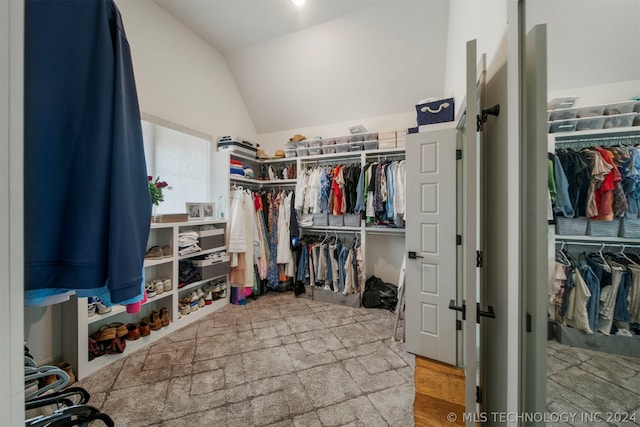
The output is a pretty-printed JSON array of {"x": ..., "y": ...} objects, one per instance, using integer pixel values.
[
  {"x": 534, "y": 261},
  {"x": 431, "y": 244},
  {"x": 442, "y": 276}
]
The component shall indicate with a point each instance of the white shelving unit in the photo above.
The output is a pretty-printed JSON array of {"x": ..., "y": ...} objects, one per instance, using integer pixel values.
[
  {"x": 78, "y": 326},
  {"x": 384, "y": 246},
  {"x": 577, "y": 140}
]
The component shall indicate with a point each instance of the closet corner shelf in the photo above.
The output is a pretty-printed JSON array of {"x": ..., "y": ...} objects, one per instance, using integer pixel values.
[
  {"x": 202, "y": 312},
  {"x": 275, "y": 182},
  {"x": 205, "y": 252}
]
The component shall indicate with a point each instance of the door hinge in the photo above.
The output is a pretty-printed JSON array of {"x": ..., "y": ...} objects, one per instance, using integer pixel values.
[
  {"x": 458, "y": 325},
  {"x": 458, "y": 154},
  {"x": 478, "y": 258},
  {"x": 458, "y": 239},
  {"x": 478, "y": 394},
  {"x": 528, "y": 322}
]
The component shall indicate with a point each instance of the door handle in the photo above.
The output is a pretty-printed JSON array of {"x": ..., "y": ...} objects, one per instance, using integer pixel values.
[
  {"x": 462, "y": 309},
  {"x": 489, "y": 313},
  {"x": 413, "y": 255}
]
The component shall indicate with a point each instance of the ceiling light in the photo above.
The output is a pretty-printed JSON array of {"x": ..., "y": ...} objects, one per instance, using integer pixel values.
[{"x": 298, "y": 2}]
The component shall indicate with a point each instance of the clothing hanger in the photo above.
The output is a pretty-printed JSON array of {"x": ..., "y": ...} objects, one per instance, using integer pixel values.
[{"x": 623, "y": 255}]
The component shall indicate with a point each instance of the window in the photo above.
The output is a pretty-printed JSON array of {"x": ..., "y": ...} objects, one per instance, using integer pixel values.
[{"x": 180, "y": 158}]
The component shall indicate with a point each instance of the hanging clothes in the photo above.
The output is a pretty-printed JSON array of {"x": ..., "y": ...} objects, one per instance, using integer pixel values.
[{"x": 87, "y": 202}]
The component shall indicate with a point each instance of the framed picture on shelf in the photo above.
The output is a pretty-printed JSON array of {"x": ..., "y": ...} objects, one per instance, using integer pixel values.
[
  {"x": 195, "y": 211},
  {"x": 208, "y": 210}
]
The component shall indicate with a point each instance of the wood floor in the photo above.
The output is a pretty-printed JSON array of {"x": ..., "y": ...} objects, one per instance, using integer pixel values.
[{"x": 440, "y": 394}]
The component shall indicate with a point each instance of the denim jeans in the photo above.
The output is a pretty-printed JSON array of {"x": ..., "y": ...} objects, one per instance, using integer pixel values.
[
  {"x": 568, "y": 288},
  {"x": 593, "y": 303},
  {"x": 302, "y": 263},
  {"x": 341, "y": 261},
  {"x": 563, "y": 203}
]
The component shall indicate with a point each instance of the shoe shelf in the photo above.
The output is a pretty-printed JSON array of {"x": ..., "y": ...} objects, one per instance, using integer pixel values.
[
  {"x": 194, "y": 285},
  {"x": 77, "y": 324},
  {"x": 205, "y": 252},
  {"x": 203, "y": 311}
]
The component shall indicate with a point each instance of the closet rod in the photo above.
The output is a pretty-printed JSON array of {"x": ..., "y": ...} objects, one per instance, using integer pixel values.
[
  {"x": 577, "y": 243},
  {"x": 331, "y": 161},
  {"x": 600, "y": 141}
]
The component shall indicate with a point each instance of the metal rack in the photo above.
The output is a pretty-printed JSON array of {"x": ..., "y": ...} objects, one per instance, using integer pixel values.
[{"x": 608, "y": 139}]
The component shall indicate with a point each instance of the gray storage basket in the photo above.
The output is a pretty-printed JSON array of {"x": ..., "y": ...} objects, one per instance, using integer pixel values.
[
  {"x": 603, "y": 228},
  {"x": 630, "y": 228},
  {"x": 336, "y": 220},
  {"x": 352, "y": 220},
  {"x": 321, "y": 219},
  {"x": 571, "y": 226}
]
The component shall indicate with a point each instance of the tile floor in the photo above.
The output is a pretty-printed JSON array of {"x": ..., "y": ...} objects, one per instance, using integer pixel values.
[
  {"x": 591, "y": 383},
  {"x": 286, "y": 361},
  {"x": 277, "y": 361}
]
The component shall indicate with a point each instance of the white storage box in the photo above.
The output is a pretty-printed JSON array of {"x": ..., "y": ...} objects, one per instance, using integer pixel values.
[
  {"x": 212, "y": 268},
  {"x": 238, "y": 145}
]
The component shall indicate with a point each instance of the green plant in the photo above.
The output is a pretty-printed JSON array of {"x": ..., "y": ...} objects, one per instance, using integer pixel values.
[{"x": 155, "y": 188}]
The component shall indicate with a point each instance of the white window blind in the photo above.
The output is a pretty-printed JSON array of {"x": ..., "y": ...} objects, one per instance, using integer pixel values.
[{"x": 182, "y": 160}]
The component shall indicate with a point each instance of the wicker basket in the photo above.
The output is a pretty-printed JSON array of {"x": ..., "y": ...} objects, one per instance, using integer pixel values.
[
  {"x": 603, "y": 228},
  {"x": 630, "y": 227},
  {"x": 571, "y": 226}
]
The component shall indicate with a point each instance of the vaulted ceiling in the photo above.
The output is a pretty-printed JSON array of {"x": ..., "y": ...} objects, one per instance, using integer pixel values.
[
  {"x": 339, "y": 60},
  {"x": 327, "y": 61}
]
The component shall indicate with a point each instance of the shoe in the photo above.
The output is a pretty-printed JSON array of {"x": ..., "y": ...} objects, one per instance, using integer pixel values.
[
  {"x": 164, "y": 317},
  {"x": 216, "y": 287},
  {"x": 91, "y": 309},
  {"x": 185, "y": 307},
  {"x": 167, "y": 252},
  {"x": 194, "y": 296},
  {"x": 194, "y": 306},
  {"x": 133, "y": 332},
  {"x": 154, "y": 252},
  {"x": 105, "y": 333},
  {"x": 66, "y": 366},
  {"x": 150, "y": 289},
  {"x": 199, "y": 293},
  {"x": 201, "y": 302},
  {"x": 121, "y": 329},
  {"x": 158, "y": 286},
  {"x": 154, "y": 320},
  {"x": 167, "y": 285},
  {"x": 208, "y": 298},
  {"x": 101, "y": 308},
  {"x": 143, "y": 327}
]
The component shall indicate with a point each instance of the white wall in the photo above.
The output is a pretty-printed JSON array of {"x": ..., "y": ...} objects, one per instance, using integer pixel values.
[
  {"x": 179, "y": 76},
  {"x": 484, "y": 20},
  {"x": 378, "y": 61},
  {"x": 600, "y": 94}
]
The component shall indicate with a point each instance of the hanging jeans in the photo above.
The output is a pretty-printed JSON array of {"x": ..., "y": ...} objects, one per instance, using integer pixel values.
[
  {"x": 329, "y": 266},
  {"x": 568, "y": 288},
  {"x": 634, "y": 305},
  {"x": 608, "y": 296},
  {"x": 342, "y": 259},
  {"x": 334, "y": 251},
  {"x": 593, "y": 283},
  {"x": 303, "y": 263}
]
